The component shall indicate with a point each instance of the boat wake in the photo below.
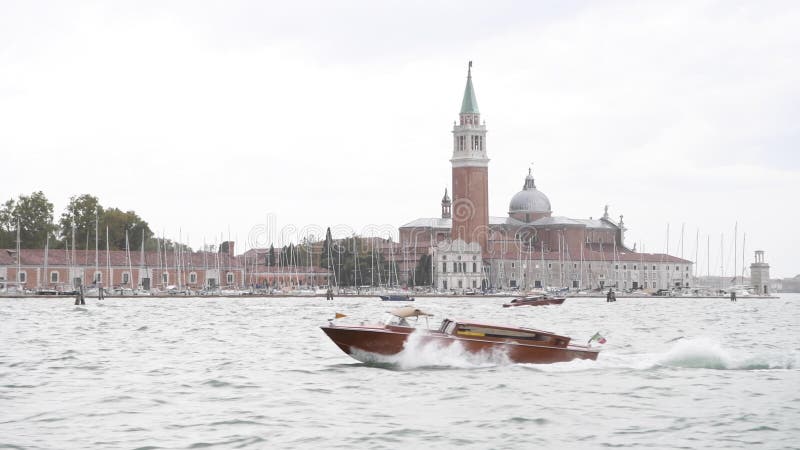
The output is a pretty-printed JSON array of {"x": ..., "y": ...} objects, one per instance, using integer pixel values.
[
  {"x": 697, "y": 353},
  {"x": 418, "y": 354},
  {"x": 704, "y": 353}
]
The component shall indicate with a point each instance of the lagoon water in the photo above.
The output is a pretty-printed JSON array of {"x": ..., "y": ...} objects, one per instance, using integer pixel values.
[{"x": 183, "y": 373}]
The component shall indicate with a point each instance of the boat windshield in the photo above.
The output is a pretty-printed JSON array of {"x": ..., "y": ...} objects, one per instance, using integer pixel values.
[{"x": 411, "y": 322}]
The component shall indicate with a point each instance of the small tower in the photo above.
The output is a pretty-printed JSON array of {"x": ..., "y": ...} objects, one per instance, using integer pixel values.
[
  {"x": 759, "y": 274},
  {"x": 446, "y": 205}
]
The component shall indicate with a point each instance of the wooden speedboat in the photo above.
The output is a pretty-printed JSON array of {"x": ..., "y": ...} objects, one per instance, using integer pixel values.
[
  {"x": 397, "y": 298},
  {"x": 535, "y": 300},
  {"x": 520, "y": 345}
]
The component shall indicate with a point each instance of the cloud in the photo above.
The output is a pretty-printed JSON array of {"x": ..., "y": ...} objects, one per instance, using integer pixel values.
[{"x": 341, "y": 113}]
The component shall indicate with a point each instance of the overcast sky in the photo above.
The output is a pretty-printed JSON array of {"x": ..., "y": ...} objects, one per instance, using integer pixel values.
[{"x": 218, "y": 117}]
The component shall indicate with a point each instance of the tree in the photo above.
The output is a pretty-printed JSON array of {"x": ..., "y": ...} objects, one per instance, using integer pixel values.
[
  {"x": 118, "y": 222},
  {"x": 422, "y": 274},
  {"x": 33, "y": 214},
  {"x": 324, "y": 261},
  {"x": 81, "y": 212},
  {"x": 8, "y": 225},
  {"x": 271, "y": 256}
]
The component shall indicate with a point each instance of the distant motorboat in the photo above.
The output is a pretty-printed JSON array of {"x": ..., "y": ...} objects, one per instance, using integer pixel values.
[
  {"x": 534, "y": 300},
  {"x": 397, "y": 298}
]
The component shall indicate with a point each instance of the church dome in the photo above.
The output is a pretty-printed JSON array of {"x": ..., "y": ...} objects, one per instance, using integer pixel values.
[{"x": 529, "y": 199}]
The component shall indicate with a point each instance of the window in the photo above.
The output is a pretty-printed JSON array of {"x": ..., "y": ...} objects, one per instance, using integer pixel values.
[
  {"x": 460, "y": 283},
  {"x": 512, "y": 265},
  {"x": 444, "y": 285},
  {"x": 474, "y": 284},
  {"x": 549, "y": 266},
  {"x": 165, "y": 277},
  {"x": 126, "y": 277},
  {"x": 654, "y": 267},
  {"x": 98, "y": 277},
  {"x": 474, "y": 267},
  {"x": 474, "y": 258},
  {"x": 444, "y": 268},
  {"x": 616, "y": 266},
  {"x": 230, "y": 278},
  {"x": 634, "y": 267},
  {"x": 677, "y": 268},
  {"x": 54, "y": 277},
  {"x": 575, "y": 284},
  {"x": 22, "y": 277},
  {"x": 575, "y": 266},
  {"x": 192, "y": 277},
  {"x": 624, "y": 267}
]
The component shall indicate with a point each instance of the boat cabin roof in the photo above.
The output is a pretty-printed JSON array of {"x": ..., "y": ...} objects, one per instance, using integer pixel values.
[{"x": 471, "y": 329}]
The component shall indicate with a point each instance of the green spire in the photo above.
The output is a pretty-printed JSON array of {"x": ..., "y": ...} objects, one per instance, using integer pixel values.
[{"x": 470, "y": 104}]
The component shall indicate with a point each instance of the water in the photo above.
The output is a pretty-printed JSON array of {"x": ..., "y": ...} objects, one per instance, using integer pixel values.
[{"x": 259, "y": 373}]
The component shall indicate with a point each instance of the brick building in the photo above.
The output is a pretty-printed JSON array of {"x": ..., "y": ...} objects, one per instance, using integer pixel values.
[{"x": 529, "y": 247}]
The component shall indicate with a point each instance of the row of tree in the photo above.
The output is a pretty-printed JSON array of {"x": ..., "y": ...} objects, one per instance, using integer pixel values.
[{"x": 84, "y": 216}]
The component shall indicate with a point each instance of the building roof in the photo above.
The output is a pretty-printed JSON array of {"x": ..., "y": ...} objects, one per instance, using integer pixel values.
[
  {"x": 470, "y": 104},
  {"x": 589, "y": 255},
  {"x": 560, "y": 220},
  {"x": 447, "y": 224}
]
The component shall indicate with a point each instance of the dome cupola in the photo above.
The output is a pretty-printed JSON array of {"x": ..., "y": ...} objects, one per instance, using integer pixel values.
[{"x": 530, "y": 203}]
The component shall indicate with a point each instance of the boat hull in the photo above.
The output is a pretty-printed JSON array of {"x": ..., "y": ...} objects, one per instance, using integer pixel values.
[
  {"x": 359, "y": 342},
  {"x": 396, "y": 298},
  {"x": 535, "y": 302}
]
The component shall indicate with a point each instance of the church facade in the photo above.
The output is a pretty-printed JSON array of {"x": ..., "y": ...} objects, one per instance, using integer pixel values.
[{"x": 529, "y": 247}]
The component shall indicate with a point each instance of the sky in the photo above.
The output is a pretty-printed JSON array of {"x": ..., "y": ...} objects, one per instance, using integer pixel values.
[{"x": 268, "y": 121}]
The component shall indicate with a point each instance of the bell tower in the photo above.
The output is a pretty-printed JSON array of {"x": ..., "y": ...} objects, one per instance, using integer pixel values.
[
  {"x": 470, "y": 172},
  {"x": 446, "y": 204}
]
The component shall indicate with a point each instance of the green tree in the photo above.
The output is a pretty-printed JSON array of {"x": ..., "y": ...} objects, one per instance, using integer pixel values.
[
  {"x": 8, "y": 225},
  {"x": 271, "y": 256},
  {"x": 82, "y": 211},
  {"x": 34, "y": 216},
  {"x": 118, "y": 222},
  {"x": 422, "y": 274},
  {"x": 326, "y": 256}
]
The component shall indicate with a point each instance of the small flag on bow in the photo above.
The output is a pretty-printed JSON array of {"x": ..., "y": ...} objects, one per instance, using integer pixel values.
[
  {"x": 340, "y": 315},
  {"x": 597, "y": 337}
]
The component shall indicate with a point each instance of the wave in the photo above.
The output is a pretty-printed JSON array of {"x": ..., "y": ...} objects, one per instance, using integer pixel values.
[
  {"x": 703, "y": 353},
  {"x": 418, "y": 354}
]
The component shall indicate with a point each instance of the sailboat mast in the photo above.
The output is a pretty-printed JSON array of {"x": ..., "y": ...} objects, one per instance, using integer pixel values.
[
  {"x": 19, "y": 257},
  {"x": 108, "y": 259},
  {"x": 45, "y": 275},
  {"x": 744, "y": 242},
  {"x": 735, "y": 250},
  {"x": 96, "y": 245},
  {"x": 128, "y": 255}
]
